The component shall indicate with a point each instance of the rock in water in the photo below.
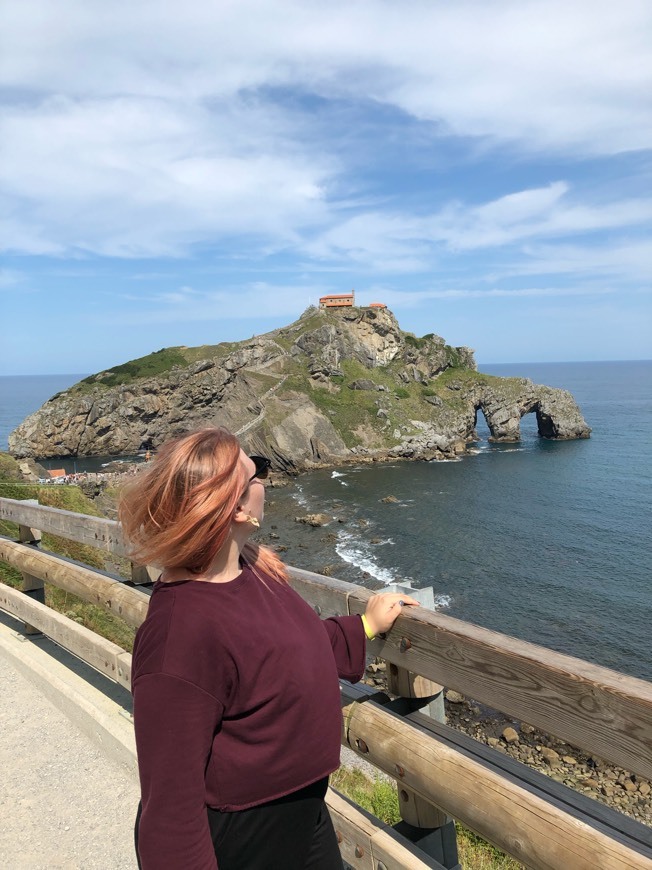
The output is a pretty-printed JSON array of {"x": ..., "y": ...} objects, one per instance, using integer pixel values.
[{"x": 304, "y": 395}]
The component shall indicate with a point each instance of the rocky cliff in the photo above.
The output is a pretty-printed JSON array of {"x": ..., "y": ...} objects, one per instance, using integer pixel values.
[{"x": 335, "y": 385}]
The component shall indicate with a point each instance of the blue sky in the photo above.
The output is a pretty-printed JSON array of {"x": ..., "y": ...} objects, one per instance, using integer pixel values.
[{"x": 189, "y": 173}]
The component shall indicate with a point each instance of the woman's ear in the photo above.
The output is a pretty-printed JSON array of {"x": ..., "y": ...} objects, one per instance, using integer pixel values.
[{"x": 241, "y": 517}]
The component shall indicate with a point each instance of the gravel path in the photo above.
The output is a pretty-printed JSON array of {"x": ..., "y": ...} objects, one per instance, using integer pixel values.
[{"x": 63, "y": 803}]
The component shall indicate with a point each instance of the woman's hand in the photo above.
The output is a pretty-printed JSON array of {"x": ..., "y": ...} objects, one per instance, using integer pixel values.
[{"x": 383, "y": 609}]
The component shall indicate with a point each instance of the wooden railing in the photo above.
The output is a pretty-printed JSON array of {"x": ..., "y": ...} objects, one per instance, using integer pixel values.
[{"x": 439, "y": 771}]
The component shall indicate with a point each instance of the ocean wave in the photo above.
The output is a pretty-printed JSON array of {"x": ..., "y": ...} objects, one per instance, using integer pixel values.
[
  {"x": 299, "y": 497},
  {"x": 357, "y": 552}
]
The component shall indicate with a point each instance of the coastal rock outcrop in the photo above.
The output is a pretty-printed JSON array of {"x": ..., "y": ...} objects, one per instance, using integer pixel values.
[{"x": 335, "y": 385}]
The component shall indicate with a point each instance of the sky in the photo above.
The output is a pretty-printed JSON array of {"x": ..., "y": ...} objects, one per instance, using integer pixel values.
[{"x": 190, "y": 173}]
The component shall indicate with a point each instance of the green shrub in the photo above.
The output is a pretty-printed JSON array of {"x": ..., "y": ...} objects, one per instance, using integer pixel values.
[{"x": 156, "y": 363}]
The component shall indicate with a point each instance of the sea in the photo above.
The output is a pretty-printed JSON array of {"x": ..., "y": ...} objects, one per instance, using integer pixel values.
[{"x": 547, "y": 541}]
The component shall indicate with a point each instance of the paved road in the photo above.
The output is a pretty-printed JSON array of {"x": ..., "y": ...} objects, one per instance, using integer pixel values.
[{"x": 63, "y": 803}]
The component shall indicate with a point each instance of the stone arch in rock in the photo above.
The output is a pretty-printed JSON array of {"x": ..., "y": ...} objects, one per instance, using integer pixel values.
[
  {"x": 504, "y": 419},
  {"x": 481, "y": 424},
  {"x": 546, "y": 424}
]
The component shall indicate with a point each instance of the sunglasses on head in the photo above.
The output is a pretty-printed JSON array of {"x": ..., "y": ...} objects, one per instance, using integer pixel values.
[{"x": 262, "y": 467}]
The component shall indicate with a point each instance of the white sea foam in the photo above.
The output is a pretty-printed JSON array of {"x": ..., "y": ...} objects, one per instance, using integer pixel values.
[
  {"x": 299, "y": 497},
  {"x": 336, "y": 474},
  {"x": 355, "y": 551},
  {"x": 358, "y": 552}
]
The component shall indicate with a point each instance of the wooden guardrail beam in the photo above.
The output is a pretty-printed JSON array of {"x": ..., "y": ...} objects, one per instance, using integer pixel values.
[
  {"x": 511, "y": 814},
  {"x": 102, "y": 654},
  {"x": 602, "y": 711},
  {"x": 94, "y": 531},
  {"x": 367, "y": 844},
  {"x": 328, "y": 595},
  {"x": 114, "y": 596}
]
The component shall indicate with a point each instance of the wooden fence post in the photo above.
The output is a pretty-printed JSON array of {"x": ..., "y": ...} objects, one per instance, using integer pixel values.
[
  {"x": 31, "y": 586},
  {"x": 423, "y": 823},
  {"x": 143, "y": 574}
]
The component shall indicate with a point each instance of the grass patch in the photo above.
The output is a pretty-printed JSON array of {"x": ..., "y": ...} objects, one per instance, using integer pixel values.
[
  {"x": 70, "y": 498},
  {"x": 153, "y": 364},
  {"x": 91, "y": 616},
  {"x": 379, "y": 797},
  {"x": 9, "y": 469},
  {"x": 263, "y": 381},
  {"x": 418, "y": 343},
  {"x": 376, "y": 796}
]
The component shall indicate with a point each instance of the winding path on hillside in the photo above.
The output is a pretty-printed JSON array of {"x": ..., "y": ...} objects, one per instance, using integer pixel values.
[{"x": 248, "y": 426}]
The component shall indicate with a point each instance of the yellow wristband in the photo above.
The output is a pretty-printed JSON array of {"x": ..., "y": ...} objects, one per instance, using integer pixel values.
[{"x": 367, "y": 630}]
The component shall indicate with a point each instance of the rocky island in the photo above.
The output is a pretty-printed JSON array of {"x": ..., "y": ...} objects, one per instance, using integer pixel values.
[{"x": 338, "y": 384}]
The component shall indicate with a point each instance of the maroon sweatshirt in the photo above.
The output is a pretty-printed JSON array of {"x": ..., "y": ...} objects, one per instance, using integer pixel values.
[{"x": 236, "y": 702}]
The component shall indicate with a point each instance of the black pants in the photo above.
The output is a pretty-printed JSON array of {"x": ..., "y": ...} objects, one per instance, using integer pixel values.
[{"x": 294, "y": 832}]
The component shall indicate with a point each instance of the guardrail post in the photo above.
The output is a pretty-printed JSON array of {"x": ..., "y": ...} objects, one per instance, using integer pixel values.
[
  {"x": 143, "y": 574},
  {"x": 424, "y": 824},
  {"x": 31, "y": 586}
]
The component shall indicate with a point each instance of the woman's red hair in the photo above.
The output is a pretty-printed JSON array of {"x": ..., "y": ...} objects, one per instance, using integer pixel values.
[{"x": 177, "y": 513}]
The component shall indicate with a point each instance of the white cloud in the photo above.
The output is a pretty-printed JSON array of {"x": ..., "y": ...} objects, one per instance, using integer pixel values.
[
  {"x": 145, "y": 129},
  {"x": 534, "y": 213},
  {"x": 135, "y": 178},
  {"x": 548, "y": 73},
  {"x": 627, "y": 260},
  {"x": 405, "y": 243}
]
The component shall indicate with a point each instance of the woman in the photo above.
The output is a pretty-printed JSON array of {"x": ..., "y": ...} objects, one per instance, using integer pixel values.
[{"x": 235, "y": 678}]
